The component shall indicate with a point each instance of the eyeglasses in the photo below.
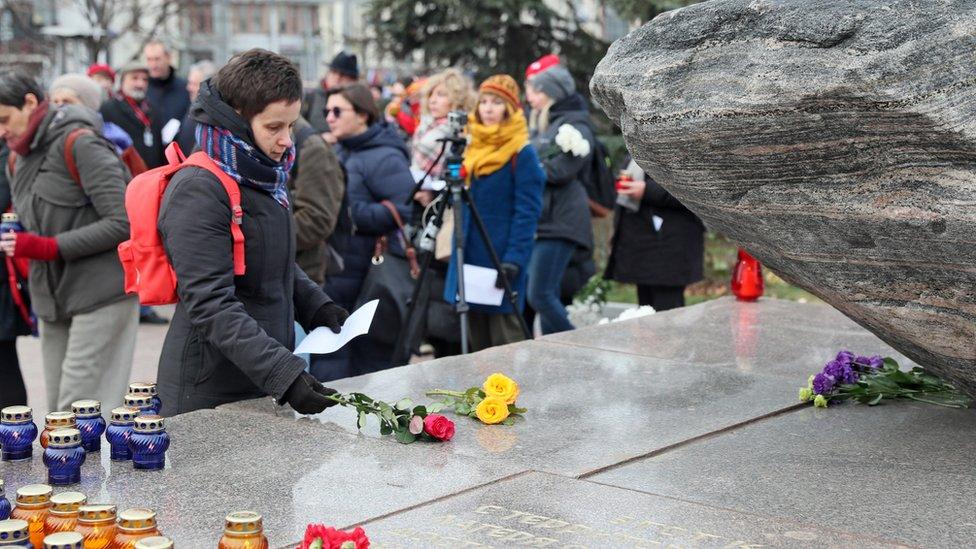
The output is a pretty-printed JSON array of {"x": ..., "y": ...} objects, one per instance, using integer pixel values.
[{"x": 336, "y": 111}]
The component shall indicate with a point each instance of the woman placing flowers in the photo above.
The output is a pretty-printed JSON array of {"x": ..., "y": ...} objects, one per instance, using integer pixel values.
[{"x": 506, "y": 184}]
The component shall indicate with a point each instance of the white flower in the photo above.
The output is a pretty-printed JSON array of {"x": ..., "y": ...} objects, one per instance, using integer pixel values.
[
  {"x": 636, "y": 312},
  {"x": 570, "y": 140}
]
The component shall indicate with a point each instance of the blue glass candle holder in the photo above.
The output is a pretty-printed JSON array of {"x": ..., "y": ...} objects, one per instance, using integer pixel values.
[
  {"x": 90, "y": 423},
  {"x": 141, "y": 402},
  {"x": 147, "y": 388},
  {"x": 15, "y": 533},
  {"x": 149, "y": 443},
  {"x": 4, "y": 503},
  {"x": 118, "y": 432},
  {"x": 17, "y": 433},
  {"x": 63, "y": 457}
]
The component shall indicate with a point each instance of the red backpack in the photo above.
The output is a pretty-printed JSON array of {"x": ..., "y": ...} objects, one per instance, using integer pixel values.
[{"x": 148, "y": 271}]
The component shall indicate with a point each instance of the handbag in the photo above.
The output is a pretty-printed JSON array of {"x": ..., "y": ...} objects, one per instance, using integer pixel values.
[{"x": 390, "y": 279}]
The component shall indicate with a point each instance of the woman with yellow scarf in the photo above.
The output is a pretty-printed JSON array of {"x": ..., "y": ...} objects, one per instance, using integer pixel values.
[{"x": 506, "y": 182}]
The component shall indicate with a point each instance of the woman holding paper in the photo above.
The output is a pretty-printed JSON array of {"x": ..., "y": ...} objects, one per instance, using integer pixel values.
[
  {"x": 232, "y": 335},
  {"x": 506, "y": 183}
]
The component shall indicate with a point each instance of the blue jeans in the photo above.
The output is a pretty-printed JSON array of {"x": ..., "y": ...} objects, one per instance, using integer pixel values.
[{"x": 550, "y": 257}]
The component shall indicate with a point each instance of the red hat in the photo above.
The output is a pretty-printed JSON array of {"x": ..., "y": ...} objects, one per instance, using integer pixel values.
[
  {"x": 543, "y": 63},
  {"x": 103, "y": 68}
]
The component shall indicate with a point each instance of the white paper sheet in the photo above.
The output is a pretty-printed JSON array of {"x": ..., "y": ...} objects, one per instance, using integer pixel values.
[
  {"x": 169, "y": 131},
  {"x": 479, "y": 286},
  {"x": 324, "y": 341}
]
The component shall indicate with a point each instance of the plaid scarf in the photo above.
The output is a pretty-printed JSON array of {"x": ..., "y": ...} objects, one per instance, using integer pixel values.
[{"x": 245, "y": 163}]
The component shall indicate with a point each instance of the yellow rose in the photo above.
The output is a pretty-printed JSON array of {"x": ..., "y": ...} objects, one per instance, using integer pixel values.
[
  {"x": 500, "y": 386},
  {"x": 492, "y": 410}
]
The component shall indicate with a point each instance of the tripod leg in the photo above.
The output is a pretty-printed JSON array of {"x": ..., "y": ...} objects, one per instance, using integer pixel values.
[
  {"x": 462, "y": 303},
  {"x": 509, "y": 293}
]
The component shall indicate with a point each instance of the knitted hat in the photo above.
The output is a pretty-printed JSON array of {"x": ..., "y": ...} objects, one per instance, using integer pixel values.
[
  {"x": 541, "y": 64},
  {"x": 345, "y": 63},
  {"x": 503, "y": 86},
  {"x": 556, "y": 82},
  {"x": 133, "y": 66},
  {"x": 88, "y": 92},
  {"x": 101, "y": 68}
]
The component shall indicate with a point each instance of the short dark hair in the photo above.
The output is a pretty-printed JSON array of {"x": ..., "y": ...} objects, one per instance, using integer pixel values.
[
  {"x": 15, "y": 85},
  {"x": 361, "y": 99},
  {"x": 257, "y": 78}
]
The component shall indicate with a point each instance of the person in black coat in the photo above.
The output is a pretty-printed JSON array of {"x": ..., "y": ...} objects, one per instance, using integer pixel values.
[
  {"x": 232, "y": 337},
  {"x": 130, "y": 111},
  {"x": 168, "y": 95},
  {"x": 12, "y": 325},
  {"x": 377, "y": 168},
  {"x": 660, "y": 247}
]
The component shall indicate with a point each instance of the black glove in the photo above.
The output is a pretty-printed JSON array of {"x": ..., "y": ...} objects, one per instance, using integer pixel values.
[
  {"x": 307, "y": 396},
  {"x": 509, "y": 271},
  {"x": 331, "y": 316}
]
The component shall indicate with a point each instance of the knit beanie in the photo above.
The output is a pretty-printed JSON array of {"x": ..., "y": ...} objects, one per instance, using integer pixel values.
[
  {"x": 556, "y": 82},
  {"x": 503, "y": 86},
  {"x": 88, "y": 92}
]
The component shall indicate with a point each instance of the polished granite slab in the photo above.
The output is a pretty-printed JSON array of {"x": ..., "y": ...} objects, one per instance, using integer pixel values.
[
  {"x": 902, "y": 470},
  {"x": 292, "y": 472},
  {"x": 588, "y": 409},
  {"x": 769, "y": 336},
  {"x": 541, "y": 510}
]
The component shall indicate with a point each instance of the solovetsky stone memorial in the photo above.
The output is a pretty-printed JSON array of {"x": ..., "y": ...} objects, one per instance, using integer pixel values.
[{"x": 835, "y": 140}]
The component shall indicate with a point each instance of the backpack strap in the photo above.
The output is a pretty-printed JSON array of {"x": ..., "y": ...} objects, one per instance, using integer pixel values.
[
  {"x": 69, "y": 153},
  {"x": 201, "y": 160}
]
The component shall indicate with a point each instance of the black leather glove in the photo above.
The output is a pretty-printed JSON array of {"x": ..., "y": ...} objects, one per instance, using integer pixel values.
[
  {"x": 510, "y": 271},
  {"x": 331, "y": 316},
  {"x": 307, "y": 396}
]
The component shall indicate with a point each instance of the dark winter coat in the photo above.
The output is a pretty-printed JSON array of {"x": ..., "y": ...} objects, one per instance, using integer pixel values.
[
  {"x": 231, "y": 337},
  {"x": 565, "y": 210},
  {"x": 377, "y": 168},
  {"x": 313, "y": 109},
  {"x": 317, "y": 189},
  {"x": 509, "y": 201},
  {"x": 168, "y": 100},
  {"x": 187, "y": 137},
  {"x": 11, "y": 322},
  {"x": 117, "y": 111},
  {"x": 88, "y": 219},
  {"x": 672, "y": 256}
]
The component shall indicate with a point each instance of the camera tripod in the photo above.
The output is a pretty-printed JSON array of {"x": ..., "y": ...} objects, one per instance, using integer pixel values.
[{"x": 457, "y": 195}]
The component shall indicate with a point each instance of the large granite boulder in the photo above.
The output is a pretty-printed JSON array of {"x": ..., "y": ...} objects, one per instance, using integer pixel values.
[{"x": 834, "y": 139}]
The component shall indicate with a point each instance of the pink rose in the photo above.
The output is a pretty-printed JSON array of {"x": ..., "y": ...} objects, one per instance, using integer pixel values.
[
  {"x": 439, "y": 427},
  {"x": 416, "y": 425}
]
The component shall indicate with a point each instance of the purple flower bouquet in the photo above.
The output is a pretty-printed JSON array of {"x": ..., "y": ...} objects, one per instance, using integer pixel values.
[{"x": 869, "y": 380}]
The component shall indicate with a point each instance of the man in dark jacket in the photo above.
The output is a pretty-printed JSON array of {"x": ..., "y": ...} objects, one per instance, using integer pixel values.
[
  {"x": 74, "y": 224},
  {"x": 232, "y": 337},
  {"x": 317, "y": 187},
  {"x": 343, "y": 70},
  {"x": 130, "y": 111},
  {"x": 168, "y": 97}
]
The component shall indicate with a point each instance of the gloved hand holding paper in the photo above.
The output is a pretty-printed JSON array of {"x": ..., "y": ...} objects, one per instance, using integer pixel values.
[{"x": 324, "y": 341}]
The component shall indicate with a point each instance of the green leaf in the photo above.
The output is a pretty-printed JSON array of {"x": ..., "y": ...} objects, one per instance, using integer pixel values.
[
  {"x": 435, "y": 408},
  {"x": 404, "y": 404},
  {"x": 317, "y": 544},
  {"x": 420, "y": 411},
  {"x": 481, "y": 394},
  {"x": 386, "y": 429},
  {"x": 404, "y": 436},
  {"x": 876, "y": 400},
  {"x": 509, "y": 421},
  {"x": 462, "y": 409},
  {"x": 890, "y": 362},
  {"x": 361, "y": 420},
  {"x": 513, "y": 409}
]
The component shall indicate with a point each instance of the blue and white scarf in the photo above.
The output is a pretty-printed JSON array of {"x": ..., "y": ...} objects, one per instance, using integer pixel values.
[{"x": 245, "y": 163}]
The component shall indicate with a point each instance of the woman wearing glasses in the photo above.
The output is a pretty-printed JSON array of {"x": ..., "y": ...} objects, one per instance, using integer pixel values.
[{"x": 377, "y": 167}]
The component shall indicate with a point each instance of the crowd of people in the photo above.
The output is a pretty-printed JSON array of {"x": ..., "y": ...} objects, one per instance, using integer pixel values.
[{"x": 332, "y": 181}]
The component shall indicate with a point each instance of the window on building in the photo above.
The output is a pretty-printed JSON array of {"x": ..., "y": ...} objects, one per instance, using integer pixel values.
[
  {"x": 298, "y": 19},
  {"x": 200, "y": 18},
  {"x": 249, "y": 18}
]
